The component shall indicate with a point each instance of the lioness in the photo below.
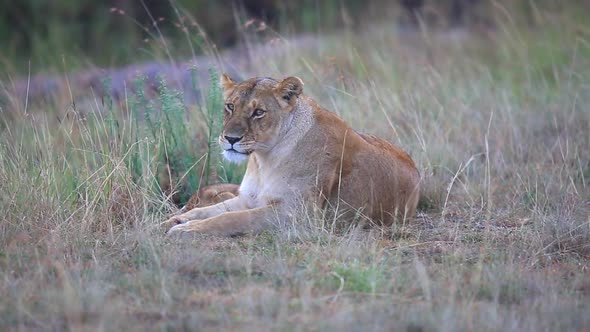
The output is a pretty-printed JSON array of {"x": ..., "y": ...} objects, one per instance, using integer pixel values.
[{"x": 298, "y": 151}]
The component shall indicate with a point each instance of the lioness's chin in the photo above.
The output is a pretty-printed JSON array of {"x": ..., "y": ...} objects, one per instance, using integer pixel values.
[{"x": 235, "y": 157}]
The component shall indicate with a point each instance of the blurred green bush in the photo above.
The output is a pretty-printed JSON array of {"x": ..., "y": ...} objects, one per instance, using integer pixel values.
[
  {"x": 117, "y": 32},
  {"x": 112, "y": 31}
]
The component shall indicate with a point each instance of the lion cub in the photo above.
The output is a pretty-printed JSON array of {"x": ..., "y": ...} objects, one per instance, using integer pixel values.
[
  {"x": 211, "y": 195},
  {"x": 297, "y": 151}
]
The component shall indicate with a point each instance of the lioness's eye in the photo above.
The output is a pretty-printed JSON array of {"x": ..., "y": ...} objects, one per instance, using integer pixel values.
[
  {"x": 229, "y": 107},
  {"x": 258, "y": 113}
]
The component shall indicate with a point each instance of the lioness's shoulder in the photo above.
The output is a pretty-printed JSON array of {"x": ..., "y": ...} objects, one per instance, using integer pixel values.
[{"x": 380, "y": 143}]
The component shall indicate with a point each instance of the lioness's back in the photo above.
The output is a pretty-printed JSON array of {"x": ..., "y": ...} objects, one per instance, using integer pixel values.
[{"x": 373, "y": 175}]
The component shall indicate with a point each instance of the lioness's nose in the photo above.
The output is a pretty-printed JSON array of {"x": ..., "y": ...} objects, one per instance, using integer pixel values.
[{"x": 232, "y": 139}]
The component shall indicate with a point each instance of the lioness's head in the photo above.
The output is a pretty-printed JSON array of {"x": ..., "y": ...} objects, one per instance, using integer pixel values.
[{"x": 256, "y": 113}]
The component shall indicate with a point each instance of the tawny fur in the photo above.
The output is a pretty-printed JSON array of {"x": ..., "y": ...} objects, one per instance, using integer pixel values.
[
  {"x": 211, "y": 195},
  {"x": 299, "y": 152}
]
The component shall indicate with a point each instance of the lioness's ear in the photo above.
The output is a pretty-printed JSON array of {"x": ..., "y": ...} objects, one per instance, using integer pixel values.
[
  {"x": 289, "y": 89},
  {"x": 227, "y": 84}
]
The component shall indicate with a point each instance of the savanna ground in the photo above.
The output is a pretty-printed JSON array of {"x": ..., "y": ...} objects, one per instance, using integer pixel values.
[{"x": 496, "y": 119}]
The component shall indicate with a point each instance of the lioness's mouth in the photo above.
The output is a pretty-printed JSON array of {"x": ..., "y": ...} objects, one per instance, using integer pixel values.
[
  {"x": 236, "y": 151},
  {"x": 236, "y": 156}
]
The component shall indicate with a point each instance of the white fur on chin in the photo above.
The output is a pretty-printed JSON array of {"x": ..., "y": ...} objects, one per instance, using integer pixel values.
[{"x": 235, "y": 157}]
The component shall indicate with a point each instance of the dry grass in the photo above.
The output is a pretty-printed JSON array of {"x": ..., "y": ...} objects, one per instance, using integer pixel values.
[{"x": 498, "y": 124}]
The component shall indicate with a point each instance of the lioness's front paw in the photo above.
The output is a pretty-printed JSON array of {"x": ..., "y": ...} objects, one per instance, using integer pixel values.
[
  {"x": 181, "y": 230},
  {"x": 185, "y": 229},
  {"x": 178, "y": 229},
  {"x": 173, "y": 221}
]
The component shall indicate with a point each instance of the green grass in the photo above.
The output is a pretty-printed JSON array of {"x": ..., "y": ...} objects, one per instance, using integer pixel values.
[{"x": 497, "y": 123}]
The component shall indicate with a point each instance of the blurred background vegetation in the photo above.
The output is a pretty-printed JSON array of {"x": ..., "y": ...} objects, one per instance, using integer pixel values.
[{"x": 117, "y": 32}]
